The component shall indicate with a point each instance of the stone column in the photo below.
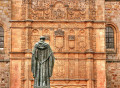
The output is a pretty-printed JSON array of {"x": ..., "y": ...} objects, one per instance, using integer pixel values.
[{"x": 89, "y": 55}]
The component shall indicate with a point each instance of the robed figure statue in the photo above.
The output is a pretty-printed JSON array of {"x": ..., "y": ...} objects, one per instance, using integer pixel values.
[{"x": 42, "y": 64}]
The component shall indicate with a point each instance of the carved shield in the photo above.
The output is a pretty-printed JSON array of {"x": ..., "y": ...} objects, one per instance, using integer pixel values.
[
  {"x": 59, "y": 38},
  {"x": 71, "y": 44},
  {"x": 59, "y": 41},
  {"x": 71, "y": 39}
]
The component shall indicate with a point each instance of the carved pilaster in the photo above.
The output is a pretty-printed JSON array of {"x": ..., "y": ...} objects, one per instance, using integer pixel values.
[
  {"x": 89, "y": 37},
  {"x": 28, "y": 3},
  {"x": 92, "y": 10},
  {"x": 28, "y": 35},
  {"x": 90, "y": 66}
]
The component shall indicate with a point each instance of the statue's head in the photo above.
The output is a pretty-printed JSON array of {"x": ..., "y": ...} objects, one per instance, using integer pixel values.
[{"x": 42, "y": 38}]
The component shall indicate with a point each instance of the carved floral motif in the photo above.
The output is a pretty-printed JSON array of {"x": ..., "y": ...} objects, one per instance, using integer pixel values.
[
  {"x": 58, "y": 9},
  {"x": 92, "y": 10},
  {"x": 81, "y": 40}
]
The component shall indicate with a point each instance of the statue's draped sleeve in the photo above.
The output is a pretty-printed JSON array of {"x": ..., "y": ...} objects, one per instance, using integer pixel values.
[
  {"x": 51, "y": 62},
  {"x": 33, "y": 61}
]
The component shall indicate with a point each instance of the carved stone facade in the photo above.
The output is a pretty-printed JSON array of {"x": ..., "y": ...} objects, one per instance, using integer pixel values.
[
  {"x": 72, "y": 30},
  {"x": 75, "y": 30},
  {"x": 58, "y": 10}
]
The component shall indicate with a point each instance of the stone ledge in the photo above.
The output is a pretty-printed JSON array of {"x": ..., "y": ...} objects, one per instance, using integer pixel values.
[
  {"x": 112, "y": 60},
  {"x": 66, "y": 79},
  {"x": 68, "y": 21},
  {"x": 4, "y": 60},
  {"x": 60, "y": 52}
]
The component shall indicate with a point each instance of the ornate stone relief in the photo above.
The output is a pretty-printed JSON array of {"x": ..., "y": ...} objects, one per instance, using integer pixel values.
[
  {"x": 93, "y": 37},
  {"x": 82, "y": 40},
  {"x": 82, "y": 71},
  {"x": 59, "y": 32},
  {"x": 58, "y": 9},
  {"x": 35, "y": 36},
  {"x": 92, "y": 10},
  {"x": 60, "y": 69},
  {"x": 23, "y": 11},
  {"x": 60, "y": 40},
  {"x": 46, "y": 33},
  {"x": 23, "y": 40}
]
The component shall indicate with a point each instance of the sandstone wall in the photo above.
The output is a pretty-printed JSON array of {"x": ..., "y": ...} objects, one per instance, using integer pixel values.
[
  {"x": 5, "y": 14},
  {"x": 112, "y": 10},
  {"x": 4, "y": 74}
]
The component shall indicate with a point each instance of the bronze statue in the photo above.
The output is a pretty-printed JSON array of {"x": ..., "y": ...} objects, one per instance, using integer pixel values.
[{"x": 42, "y": 64}]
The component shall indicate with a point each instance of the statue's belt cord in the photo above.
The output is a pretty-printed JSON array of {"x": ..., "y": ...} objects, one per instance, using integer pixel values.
[{"x": 45, "y": 59}]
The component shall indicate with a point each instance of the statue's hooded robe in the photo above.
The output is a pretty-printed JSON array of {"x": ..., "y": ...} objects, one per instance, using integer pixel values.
[{"x": 42, "y": 65}]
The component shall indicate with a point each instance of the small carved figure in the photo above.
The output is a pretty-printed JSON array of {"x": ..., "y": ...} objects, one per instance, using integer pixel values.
[{"x": 42, "y": 64}]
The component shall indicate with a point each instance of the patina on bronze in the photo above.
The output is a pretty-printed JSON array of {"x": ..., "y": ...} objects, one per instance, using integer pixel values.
[{"x": 42, "y": 64}]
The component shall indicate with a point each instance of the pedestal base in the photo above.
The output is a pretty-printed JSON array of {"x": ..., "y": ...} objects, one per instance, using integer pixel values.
[{"x": 41, "y": 86}]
